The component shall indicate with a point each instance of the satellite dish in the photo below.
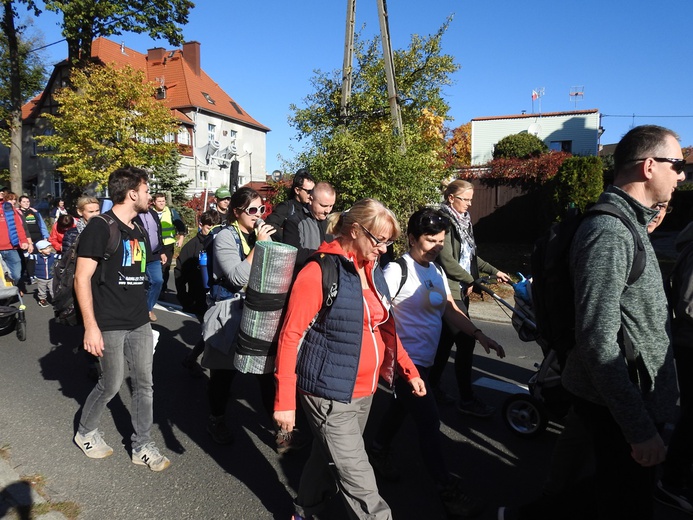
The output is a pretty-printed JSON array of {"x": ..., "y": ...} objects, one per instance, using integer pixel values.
[{"x": 534, "y": 129}]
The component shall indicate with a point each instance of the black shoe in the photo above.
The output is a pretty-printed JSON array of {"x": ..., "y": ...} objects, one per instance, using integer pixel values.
[
  {"x": 383, "y": 464},
  {"x": 456, "y": 502},
  {"x": 476, "y": 407}
]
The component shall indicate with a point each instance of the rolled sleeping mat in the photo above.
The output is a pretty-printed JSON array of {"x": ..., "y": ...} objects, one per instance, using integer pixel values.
[{"x": 270, "y": 278}]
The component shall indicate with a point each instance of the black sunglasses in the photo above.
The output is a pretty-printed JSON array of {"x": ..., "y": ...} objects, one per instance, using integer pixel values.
[{"x": 679, "y": 165}]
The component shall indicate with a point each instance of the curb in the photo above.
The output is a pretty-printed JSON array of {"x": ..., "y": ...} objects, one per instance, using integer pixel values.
[{"x": 17, "y": 495}]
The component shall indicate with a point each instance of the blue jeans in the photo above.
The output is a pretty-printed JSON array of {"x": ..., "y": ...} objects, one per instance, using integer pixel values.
[
  {"x": 136, "y": 347},
  {"x": 156, "y": 281},
  {"x": 14, "y": 263}
]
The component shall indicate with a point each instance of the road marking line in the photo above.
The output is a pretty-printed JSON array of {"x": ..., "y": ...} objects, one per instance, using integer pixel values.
[{"x": 501, "y": 386}]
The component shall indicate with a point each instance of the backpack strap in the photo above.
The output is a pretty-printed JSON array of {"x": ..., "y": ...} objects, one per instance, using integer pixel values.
[
  {"x": 639, "y": 257},
  {"x": 403, "y": 278}
]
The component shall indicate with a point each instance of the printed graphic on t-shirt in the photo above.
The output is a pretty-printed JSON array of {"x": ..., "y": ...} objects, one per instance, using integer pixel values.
[{"x": 134, "y": 252}]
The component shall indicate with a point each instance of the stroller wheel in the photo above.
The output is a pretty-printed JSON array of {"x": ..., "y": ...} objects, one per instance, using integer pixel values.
[
  {"x": 524, "y": 415},
  {"x": 21, "y": 330}
]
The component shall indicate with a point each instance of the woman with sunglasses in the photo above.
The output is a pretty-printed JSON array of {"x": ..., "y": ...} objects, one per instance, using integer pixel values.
[
  {"x": 462, "y": 266},
  {"x": 421, "y": 299},
  {"x": 233, "y": 256},
  {"x": 344, "y": 348}
]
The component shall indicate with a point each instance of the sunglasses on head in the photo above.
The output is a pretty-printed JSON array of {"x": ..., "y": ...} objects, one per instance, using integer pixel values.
[{"x": 254, "y": 210}]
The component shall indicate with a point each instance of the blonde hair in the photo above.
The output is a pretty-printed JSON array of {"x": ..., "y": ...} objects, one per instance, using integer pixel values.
[
  {"x": 84, "y": 200},
  {"x": 457, "y": 186},
  {"x": 370, "y": 213}
]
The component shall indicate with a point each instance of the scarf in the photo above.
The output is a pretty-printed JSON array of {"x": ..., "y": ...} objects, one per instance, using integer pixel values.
[
  {"x": 463, "y": 225},
  {"x": 241, "y": 235}
]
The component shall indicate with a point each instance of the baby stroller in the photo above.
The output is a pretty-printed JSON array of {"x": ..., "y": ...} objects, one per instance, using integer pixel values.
[
  {"x": 527, "y": 414},
  {"x": 10, "y": 315}
]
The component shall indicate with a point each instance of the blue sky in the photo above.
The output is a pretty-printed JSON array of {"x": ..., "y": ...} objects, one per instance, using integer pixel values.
[{"x": 630, "y": 57}]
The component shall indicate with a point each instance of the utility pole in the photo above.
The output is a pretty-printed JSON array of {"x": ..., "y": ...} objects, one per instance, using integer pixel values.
[
  {"x": 395, "y": 113},
  {"x": 347, "y": 67},
  {"x": 390, "y": 71}
]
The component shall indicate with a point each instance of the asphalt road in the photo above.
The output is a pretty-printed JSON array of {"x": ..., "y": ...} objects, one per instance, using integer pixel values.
[{"x": 44, "y": 382}]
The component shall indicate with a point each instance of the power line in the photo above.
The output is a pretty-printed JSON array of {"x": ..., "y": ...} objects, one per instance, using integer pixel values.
[
  {"x": 45, "y": 46},
  {"x": 636, "y": 115}
]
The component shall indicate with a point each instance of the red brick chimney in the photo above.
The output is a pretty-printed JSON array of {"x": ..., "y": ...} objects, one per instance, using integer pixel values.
[
  {"x": 191, "y": 55},
  {"x": 156, "y": 54}
]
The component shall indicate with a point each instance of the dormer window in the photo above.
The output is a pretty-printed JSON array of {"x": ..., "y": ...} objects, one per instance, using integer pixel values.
[
  {"x": 209, "y": 98},
  {"x": 160, "y": 93}
]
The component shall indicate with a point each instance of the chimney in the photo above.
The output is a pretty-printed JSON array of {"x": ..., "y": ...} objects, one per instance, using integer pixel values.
[
  {"x": 191, "y": 55},
  {"x": 156, "y": 54}
]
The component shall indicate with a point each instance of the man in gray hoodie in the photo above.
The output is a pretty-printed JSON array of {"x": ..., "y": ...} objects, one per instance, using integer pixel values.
[{"x": 622, "y": 411}]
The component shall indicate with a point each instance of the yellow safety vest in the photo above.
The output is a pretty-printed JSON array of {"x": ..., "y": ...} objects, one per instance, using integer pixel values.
[{"x": 168, "y": 230}]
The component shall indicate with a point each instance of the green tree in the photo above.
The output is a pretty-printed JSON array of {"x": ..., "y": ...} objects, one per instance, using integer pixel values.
[
  {"x": 358, "y": 153},
  {"x": 84, "y": 20},
  {"x": 579, "y": 182},
  {"x": 108, "y": 119},
  {"x": 520, "y": 146},
  {"x": 167, "y": 177}
]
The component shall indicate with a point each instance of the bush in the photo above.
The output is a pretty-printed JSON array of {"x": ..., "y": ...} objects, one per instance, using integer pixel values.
[
  {"x": 519, "y": 146},
  {"x": 579, "y": 182}
]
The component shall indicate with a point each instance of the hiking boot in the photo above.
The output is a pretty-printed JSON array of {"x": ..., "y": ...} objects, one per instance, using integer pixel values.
[
  {"x": 148, "y": 455},
  {"x": 383, "y": 464},
  {"x": 442, "y": 397},
  {"x": 43, "y": 303},
  {"x": 456, "y": 502},
  {"x": 476, "y": 407},
  {"x": 152, "y": 316},
  {"x": 93, "y": 445},
  {"x": 674, "y": 496},
  {"x": 216, "y": 427},
  {"x": 293, "y": 440},
  {"x": 193, "y": 368}
]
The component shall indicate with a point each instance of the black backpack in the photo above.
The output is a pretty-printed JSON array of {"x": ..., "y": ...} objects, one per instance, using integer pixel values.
[
  {"x": 64, "y": 301},
  {"x": 553, "y": 295}
]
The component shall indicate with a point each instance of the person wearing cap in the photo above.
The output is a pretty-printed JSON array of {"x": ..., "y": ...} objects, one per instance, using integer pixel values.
[
  {"x": 44, "y": 259},
  {"x": 297, "y": 199},
  {"x": 12, "y": 237},
  {"x": 223, "y": 196}
]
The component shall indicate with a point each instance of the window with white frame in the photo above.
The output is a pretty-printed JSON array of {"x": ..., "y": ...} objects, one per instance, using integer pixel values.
[
  {"x": 211, "y": 132},
  {"x": 183, "y": 135},
  {"x": 203, "y": 176}
]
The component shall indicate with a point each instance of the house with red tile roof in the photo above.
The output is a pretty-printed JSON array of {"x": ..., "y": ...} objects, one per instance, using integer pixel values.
[{"x": 219, "y": 142}]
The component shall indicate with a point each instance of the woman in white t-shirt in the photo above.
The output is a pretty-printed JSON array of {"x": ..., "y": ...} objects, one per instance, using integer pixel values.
[{"x": 421, "y": 299}]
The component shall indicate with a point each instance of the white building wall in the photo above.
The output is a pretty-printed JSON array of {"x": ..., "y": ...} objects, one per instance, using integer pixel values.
[
  {"x": 250, "y": 148},
  {"x": 581, "y": 129}
]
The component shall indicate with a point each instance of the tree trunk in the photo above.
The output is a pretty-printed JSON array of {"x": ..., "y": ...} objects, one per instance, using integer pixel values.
[{"x": 15, "y": 100}]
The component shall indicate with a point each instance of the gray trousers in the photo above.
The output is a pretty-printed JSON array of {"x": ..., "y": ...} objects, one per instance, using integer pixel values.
[
  {"x": 134, "y": 347},
  {"x": 44, "y": 288},
  {"x": 338, "y": 460}
]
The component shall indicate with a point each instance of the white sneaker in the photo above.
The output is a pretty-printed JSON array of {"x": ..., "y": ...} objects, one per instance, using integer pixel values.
[
  {"x": 148, "y": 455},
  {"x": 93, "y": 445}
]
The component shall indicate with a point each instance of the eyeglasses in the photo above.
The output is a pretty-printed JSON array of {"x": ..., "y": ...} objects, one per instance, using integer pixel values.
[
  {"x": 254, "y": 210},
  {"x": 376, "y": 241},
  {"x": 309, "y": 192},
  {"x": 468, "y": 201},
  {"x": 664, "y": 206},
  {"x": 679, "y": 165}
]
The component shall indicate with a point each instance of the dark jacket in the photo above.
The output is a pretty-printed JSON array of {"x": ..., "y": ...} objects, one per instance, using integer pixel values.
[
  {"x": 682, "y": 290},
  {"x": 279, "y": 214},
  {"x": 189, "y": 289},
  {"x": 305, "y": 233},
  {"x": 449, "y": 260}
]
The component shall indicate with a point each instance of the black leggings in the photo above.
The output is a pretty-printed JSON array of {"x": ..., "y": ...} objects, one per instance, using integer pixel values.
[{"x": 219, "y": 390}]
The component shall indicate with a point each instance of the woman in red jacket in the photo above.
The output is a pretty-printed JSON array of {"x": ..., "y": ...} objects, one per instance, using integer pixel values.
[
  {"x": 333, "y": 353},
  {"x": 61, "y": 225}
]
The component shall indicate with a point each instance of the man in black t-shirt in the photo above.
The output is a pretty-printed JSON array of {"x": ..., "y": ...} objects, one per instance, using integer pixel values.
[{"x": 111, "y": 294}]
